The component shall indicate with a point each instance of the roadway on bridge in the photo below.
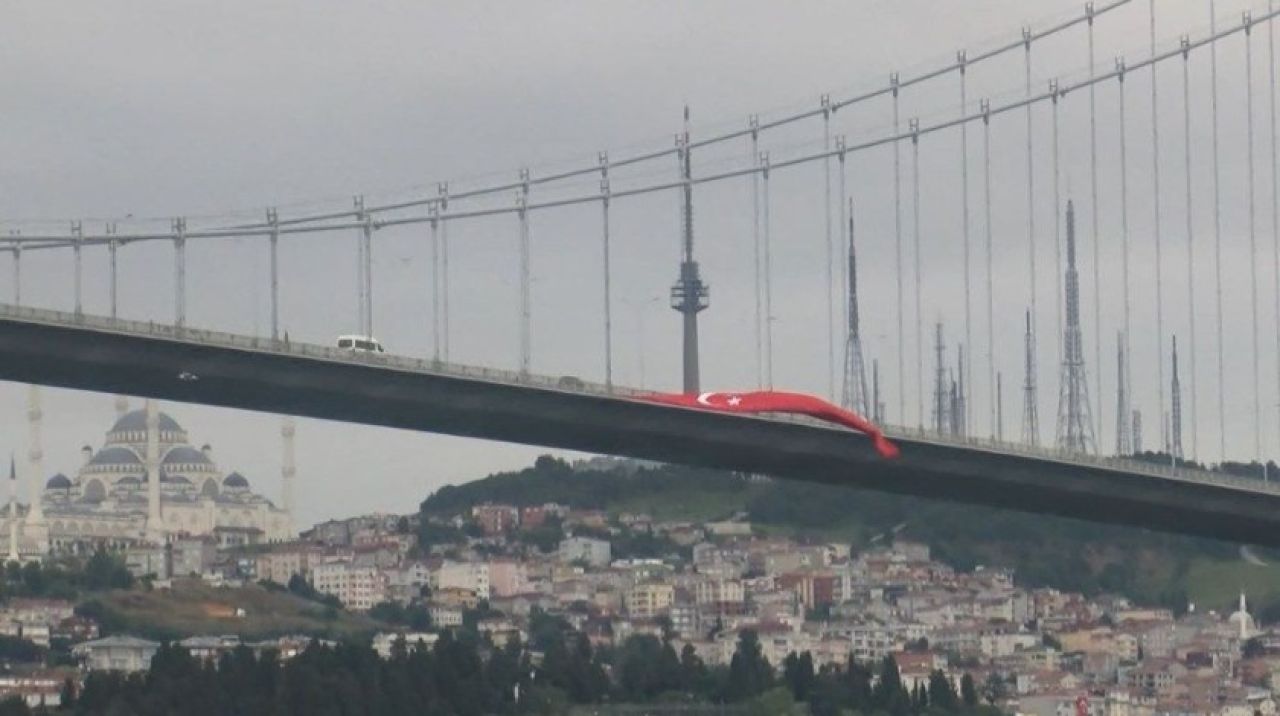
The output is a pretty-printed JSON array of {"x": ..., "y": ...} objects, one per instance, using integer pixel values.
[{"x": 98, "y": 354}]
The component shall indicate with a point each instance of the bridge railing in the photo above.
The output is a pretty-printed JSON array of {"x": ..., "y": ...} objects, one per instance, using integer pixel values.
[{"x": 573, "y": 384}]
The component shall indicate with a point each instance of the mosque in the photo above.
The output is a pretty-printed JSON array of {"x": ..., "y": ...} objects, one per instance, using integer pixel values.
[{"x": 112, "y": 501}]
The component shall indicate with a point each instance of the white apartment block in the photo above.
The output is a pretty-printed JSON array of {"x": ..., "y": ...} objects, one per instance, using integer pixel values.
[
  {"x": 358, "y": 588},
  {"x": 468, "y": 576}
]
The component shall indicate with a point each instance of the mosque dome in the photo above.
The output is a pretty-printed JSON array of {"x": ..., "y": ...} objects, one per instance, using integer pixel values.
[
  {"x": 58, "y": 482},
  {"x": 235, "y": 479},
  {"x": 115, "y": 455},
  {"x": 185, "y": 455},
  {"x": 137, "y": 420}
]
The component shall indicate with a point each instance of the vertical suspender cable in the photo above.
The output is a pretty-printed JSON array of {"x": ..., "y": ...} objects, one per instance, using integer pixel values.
[
  {"x": 993, "y": 401},
  {"x": 844, "y": 237},
  {"x": 434, "y": 210},
  {"x": 914, "y": 125},
  {"x": 1191, "y": 244},
  {"x": 1031, "y": 206},
  {"x": 768, "y": 274},
  {"x": 180, "y": 271},
  {"x": 961, "y": 58},
  {"x": 358, "y": 203},
  {"x": 1253, "y": 236},
  {"x": 77, "y": 238},
  {"x": 1057, "y": 220},
  {"x": 1124, "y": 409},
  {"x": 526, "y": 330},
  {"x": 113, "y": 246},
  {"x": 1275, "y": 175},
  {"x": 1155, "y": 189},
  {"x": 826, "y": 216},
  {"x": 608, "y": 307},
  {"x": 754, "y": 123},
  {"x": 443, "y": 191},
  {"x": 274, "y": 245},
  {"x": 897, "y": 248},
  {"x": 17, "y": 275},
  {"x": 1217, "y": 230},
  {"x": 1093, "y": 216}
]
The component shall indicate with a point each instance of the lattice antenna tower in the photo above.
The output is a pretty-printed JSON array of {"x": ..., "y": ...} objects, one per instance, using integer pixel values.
[
  {"x": 1075, "y": 421},
  {"x": 1124, "y": 416},
  {"x": 1030, "y": 415},
  {"x": 941, "y": 385},
  {"x": 855, "y": 396}
]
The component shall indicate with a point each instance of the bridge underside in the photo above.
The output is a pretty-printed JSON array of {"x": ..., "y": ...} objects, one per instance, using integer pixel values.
[{"x": 87, "y": 359}]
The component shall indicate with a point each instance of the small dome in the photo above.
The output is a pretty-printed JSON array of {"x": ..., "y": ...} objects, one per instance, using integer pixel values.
[
  {"x": 185, "y": 455},
  {"x": 58, "y": 482},
  {"x": 115, "y": 455},
  {"x": 235, "y": 479},
  {"x": 137, "y": 420}
]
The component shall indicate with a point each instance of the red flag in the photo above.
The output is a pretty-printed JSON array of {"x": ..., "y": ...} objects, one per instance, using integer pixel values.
[{"x": 772, "y": 401}]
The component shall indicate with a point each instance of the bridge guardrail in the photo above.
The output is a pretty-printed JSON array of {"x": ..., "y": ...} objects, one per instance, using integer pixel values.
[{"x": 419, "y": 365}]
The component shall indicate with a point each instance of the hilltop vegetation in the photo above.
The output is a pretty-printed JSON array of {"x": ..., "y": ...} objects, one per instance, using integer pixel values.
[{"x": 1045, "y": 551}]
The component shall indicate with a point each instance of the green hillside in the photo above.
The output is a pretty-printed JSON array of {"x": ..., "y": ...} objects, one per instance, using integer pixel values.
[{"x": 1046, "y": 551}]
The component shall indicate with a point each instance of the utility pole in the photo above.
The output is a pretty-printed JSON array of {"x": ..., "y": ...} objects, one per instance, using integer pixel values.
[
  {"x": 941, "y": 387},
  {"x": 1175, "y": 390},
  {"x": 689, "y": 295},
  {"x": 1124, "y": 444}
]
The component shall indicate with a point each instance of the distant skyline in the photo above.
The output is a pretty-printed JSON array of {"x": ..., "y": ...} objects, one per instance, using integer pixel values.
[{"x": 150, "y": 109}]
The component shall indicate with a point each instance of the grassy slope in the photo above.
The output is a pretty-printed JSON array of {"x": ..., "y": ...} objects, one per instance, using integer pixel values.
[{"x": 196, "y": 608}]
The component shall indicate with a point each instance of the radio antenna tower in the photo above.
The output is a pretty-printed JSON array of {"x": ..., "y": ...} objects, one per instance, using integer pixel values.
[
  {"x": 689, "y": 295},
  {"x": 1175, "y": 389},
  {"x": 855, "y": 395},
  {"x": 941, "y": 386},
  {"x": 959, "y": 408},
  {"x": 1124, "y": 444},
  {"x": 1030, "y": 416},
  {"x": 1137, "y": 432},
  {"x": 1075, "y": 422}
]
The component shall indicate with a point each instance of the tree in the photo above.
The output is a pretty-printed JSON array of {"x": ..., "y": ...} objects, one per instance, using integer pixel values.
[
  {"x": 749, "y": 672},
  {"x": 941, "y": 693},
  {"x": 693, "y": 672},
  {"x": 798, "y": 673},
  {"x": 994, "y": 688},
  {"x": 968, "y": 692}
]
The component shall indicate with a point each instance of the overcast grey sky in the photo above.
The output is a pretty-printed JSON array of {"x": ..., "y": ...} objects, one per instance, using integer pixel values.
[{"x": 205, "y": 109}]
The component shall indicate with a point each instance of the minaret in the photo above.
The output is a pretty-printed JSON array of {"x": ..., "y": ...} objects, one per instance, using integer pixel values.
[
  {"x": 155, "y": 530},
  {"x": 855, "y": 375},
  {"x": 122, "y": 406},
  {"x": 1075, "y": 421},
  {"x": 35, "y": 464},
  {"x": 1244, "y": 618},
  {"x": 1175, "y": 389},
  {"x": 287, "y": 468},
  {"x": 1030, "y": 414},
  {"x": 13, "y": 511}
]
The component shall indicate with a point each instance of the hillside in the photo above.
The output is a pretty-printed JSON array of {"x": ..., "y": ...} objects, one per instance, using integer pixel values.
[
  {"x": 1046, "y": 551},
  {"x": 193, "y": 607}
]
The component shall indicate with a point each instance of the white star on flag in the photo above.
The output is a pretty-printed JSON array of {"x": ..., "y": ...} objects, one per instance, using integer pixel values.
[{"x": 735, "y": 400}]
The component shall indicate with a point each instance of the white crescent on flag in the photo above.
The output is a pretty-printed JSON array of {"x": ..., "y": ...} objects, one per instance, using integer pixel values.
[{"x": 705, "y": 399}]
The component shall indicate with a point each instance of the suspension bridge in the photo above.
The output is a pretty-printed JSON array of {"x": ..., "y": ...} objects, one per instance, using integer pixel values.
[{"x": 969, "y": 238}]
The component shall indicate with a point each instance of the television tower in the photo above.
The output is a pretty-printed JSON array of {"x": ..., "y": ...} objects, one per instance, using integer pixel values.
[
  {"x": 1124, "y": 444},
  {"x": 1175, "y": 389},
  {"x": 855, "y": 375},
  {"x": 689, "y": 295},
  {"x": 1075, "y": 423},
  {"x": 1030, "y": 416}
]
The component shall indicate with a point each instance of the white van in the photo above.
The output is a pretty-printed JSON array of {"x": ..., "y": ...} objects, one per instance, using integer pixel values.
[{"x": 360, "y": 343}]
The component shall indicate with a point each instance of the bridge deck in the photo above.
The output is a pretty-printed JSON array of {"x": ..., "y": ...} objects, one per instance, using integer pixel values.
[{"x": 102, "y": 354}]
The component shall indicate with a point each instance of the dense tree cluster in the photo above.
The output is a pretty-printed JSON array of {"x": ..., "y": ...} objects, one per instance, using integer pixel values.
[
  {"x": 461, "y": 674},
  {"x": 66, "y": 579}
]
